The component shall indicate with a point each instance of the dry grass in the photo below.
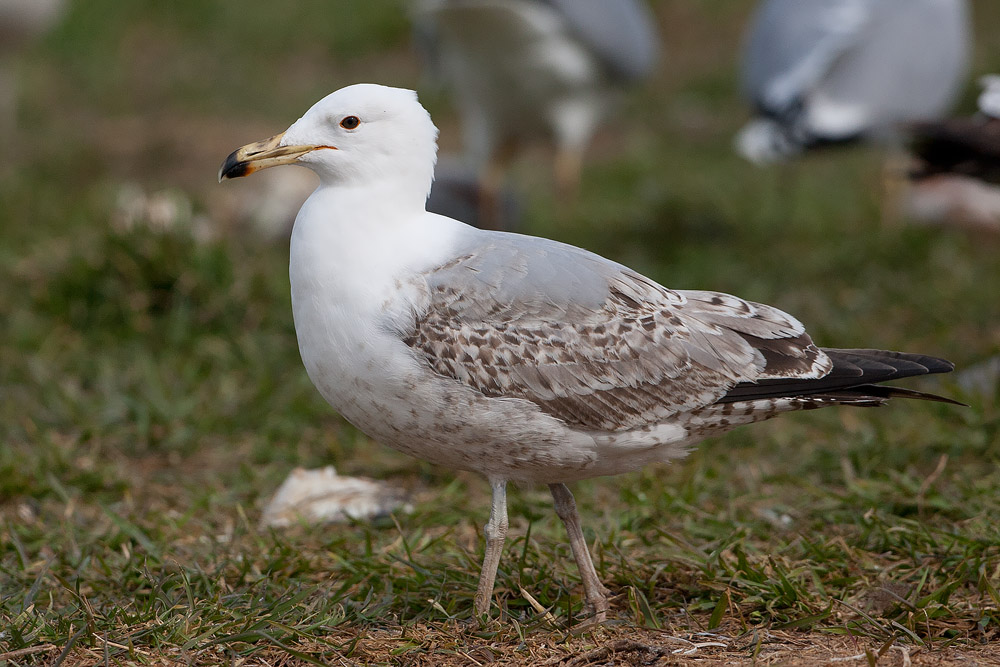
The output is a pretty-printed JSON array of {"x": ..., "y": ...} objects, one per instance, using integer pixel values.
[{"x": 452, "y": 644}]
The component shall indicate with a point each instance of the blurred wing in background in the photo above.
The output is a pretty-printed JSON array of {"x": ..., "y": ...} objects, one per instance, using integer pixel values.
[
  {"x": 792, "y": 45},
  {"x": 831, "y": 71},
  {"x": 621, "y": 33}
]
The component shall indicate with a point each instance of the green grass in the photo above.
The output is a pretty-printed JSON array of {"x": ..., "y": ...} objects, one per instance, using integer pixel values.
[{"x": 151, "y": 394}]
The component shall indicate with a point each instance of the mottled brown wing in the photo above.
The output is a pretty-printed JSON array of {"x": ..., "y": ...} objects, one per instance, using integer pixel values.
[{"x": 593, "y": 343}]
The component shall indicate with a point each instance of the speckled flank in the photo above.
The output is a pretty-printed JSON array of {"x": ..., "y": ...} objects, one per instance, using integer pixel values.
[
  {"x": 642, "y": 356},
  {"x": 721, "y": 417}
]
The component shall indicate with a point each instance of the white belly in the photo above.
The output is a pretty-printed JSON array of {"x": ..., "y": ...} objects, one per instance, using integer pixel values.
[
  {"x": 379, "y": 385},
  {"x": 351, "y": 312}
]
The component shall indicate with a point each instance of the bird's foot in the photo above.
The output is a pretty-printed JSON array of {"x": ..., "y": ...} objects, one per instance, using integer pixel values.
[
  {"x": 596, "y": 609},
  {"x": 481, "y": 615},
  {"x": 481, "y": 606}
]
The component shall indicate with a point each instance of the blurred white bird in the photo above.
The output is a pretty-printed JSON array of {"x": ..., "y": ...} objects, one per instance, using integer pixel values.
[
  {"x": 831, "y": 71},
  {"x": 529, "y": 70}
]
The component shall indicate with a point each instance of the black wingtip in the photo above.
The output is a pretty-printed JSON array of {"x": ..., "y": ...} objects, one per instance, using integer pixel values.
[
  {"x": 856, "y": 374},
  {"x": 901, "y": 392},
  {"x": 902, "y": 364}
]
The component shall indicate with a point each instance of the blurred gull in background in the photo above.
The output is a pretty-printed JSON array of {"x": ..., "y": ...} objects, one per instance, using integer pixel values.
[
  {"x": 529, "y": 70},
  {"x": 831, "y": 71},
  {"x": 967, "y": 146},
  {"x": 956, "y": 169}
]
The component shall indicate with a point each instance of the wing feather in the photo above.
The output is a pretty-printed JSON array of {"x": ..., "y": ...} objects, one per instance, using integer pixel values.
[
  {"x": 621, "y": 33},
  {"x": 593, "y": 343},
  {"x": 792, "y": 45}
]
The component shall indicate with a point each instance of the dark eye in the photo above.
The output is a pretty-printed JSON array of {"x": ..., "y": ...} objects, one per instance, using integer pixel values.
[{"x": 350, "y": 122}]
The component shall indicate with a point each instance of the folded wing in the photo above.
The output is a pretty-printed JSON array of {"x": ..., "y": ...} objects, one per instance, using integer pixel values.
[{"x": 594, "y": 343}]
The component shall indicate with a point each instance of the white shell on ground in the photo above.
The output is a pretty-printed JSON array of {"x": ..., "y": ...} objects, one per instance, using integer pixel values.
[{"x": 323, "y": 496}]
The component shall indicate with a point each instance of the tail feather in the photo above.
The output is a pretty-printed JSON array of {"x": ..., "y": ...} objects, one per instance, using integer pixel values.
[{"x": 854, "y": 379}]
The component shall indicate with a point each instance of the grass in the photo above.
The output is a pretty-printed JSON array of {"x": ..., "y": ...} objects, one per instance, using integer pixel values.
[{"x": 151, "y": 395}]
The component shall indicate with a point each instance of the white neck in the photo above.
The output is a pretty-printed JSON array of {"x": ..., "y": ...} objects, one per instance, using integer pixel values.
[
  {"x": 403, "y": 180},
  {"x": 351, "y": 243}
]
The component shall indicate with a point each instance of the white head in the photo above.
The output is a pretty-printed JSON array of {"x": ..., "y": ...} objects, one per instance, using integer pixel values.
[{"x": 359, "y": 136}]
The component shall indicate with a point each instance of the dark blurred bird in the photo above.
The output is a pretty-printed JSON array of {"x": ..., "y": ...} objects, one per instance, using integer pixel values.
[
  {"x": 528, "y": 70},
  {"x": 955, "y": 171},
  {"x": 831, "y": 71},
  {"x": 968, "y": 146}
]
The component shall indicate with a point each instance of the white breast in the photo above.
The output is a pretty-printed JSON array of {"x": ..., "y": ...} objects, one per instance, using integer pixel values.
[{"x": 351, "y": 289}]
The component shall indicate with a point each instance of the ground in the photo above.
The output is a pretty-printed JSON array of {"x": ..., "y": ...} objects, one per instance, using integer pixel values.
[{"x": 152, "y": 395}]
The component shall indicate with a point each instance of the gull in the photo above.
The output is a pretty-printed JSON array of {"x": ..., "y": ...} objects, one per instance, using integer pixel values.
[
  {"x": 516, "y": 357},
  {"x": 955, "y": 171},
  {"x": 525, "y": 70},
  {"x": 831, "y": 71},
  {"x": 966, "y": 146}
]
